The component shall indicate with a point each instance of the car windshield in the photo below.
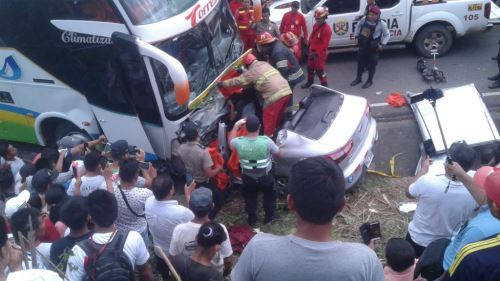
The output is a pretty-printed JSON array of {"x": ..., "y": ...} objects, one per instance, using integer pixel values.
[
  {"x": 204, "y": 51},
  {"x": 151, "y": 11}
]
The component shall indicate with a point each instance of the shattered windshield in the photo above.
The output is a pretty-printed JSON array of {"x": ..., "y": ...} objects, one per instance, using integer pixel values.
[
  {"x": 204, "y": 51},
  {"x": 151, "y": 11}
]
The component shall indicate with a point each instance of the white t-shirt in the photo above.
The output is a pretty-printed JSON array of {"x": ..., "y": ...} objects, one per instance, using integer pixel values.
[
  {"x": 162, "y": 218},
  {"x": 134, "y": 248},
  {"x": 438, "y": 214},
  {"x": 136, "y": 198},
  {"x": 15, "y": 165},
  {"x": 89, "y": 184},
  {"x": 184, "y": 242}
]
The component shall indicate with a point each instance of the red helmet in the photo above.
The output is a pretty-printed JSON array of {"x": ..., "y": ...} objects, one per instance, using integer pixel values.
[
  {"x": 375, "y": 9},
  {"x": 289, "y": 39},
  {"x": 248, "y": 59},
  {"x": 321, "y": 12},
  {"x": 265, "y": 38}
]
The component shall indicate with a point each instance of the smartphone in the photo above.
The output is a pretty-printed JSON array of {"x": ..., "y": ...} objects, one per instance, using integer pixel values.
[
  {"x": 374, "y": 230},
  {"x": 144, "y": 165},
  {"x": 189, "y": 177},
  {"x": 107, "y": 148},
  {"x": 369, "y": 231}
]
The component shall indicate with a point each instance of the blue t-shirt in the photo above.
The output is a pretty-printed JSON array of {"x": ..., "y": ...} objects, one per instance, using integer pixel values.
[
  {"x": 481, "y": 226},
  {"x": 478, "y": 261}
]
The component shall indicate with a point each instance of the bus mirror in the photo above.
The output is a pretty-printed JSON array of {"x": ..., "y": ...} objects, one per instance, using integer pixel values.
[{"x": 175, "y": 69}]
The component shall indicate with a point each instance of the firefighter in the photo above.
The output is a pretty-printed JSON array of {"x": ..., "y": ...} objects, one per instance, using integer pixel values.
[
  {"x": 272, "y": 87},
  {"x": 372, "y": 34},
  {"x": 295, "y": 22},
  {"x": 318, "y": 48},
  {"x": 244, "y": 19},
  {"x": 235, "y": 5},
  {"x": 280, "y": 57},
  {"x": 291, "y": 41}
]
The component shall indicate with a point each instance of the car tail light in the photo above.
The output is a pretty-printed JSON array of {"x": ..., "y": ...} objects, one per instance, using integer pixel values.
[
  {"x": 487, "y": 10},
  {"x": 342, "y": 153}
]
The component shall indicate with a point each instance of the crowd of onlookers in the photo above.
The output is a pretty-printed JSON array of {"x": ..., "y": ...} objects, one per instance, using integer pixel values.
[{"x": 85, "y": 214}]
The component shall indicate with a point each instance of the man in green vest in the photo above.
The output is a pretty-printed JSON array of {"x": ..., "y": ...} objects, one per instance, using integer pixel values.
[{"x": 255, "y": 153}]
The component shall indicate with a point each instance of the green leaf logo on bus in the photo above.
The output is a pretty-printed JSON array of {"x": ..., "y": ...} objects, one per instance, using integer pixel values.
[{"x": 10, "y": 69}]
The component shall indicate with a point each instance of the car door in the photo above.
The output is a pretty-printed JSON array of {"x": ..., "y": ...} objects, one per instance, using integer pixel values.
[
  {"x": 394, "y": 13},
  {"x": 341, "y": 19}
]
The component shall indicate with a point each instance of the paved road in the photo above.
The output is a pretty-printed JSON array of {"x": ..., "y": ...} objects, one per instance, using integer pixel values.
[{"x": 469, "y": 61}]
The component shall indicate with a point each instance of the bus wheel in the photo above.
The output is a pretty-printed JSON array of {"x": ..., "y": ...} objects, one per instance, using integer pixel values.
[{"x": 67, "y": 129}]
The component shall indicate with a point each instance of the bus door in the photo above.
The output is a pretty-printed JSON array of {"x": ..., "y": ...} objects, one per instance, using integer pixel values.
[{"x": 118, "y": 102}]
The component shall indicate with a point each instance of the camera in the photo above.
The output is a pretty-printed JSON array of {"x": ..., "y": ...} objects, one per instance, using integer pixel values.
[{"x": 430, "y": 94}]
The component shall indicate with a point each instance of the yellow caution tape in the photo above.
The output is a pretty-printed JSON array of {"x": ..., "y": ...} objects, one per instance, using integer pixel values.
[{"x": 392, "y": 164}]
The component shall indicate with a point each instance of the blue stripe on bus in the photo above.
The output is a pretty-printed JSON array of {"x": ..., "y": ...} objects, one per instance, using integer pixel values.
[{"x": 18, "y": 110}]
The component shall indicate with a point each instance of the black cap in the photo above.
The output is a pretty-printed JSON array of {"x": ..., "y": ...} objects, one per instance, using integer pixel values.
[
  {"x": 252, "y": 123},
  {"x": 295, "y": 4},
  {"x": 190, "y": 131},
  {"x": 120, "y": 147},
  {"x": 42, "y": 179}
]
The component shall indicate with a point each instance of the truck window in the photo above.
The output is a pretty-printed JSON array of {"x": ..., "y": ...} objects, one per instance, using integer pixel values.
[
  {"x": 342, "y": 6},
  {"x": 308, "y": 5},
  {"x": 384, "y": 4}
]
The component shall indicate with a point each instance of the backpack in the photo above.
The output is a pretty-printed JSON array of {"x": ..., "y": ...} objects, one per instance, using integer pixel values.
[{"x": 107, "y": 262}]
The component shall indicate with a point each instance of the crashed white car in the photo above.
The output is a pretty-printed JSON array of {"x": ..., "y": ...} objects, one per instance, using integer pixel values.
[{"x": 463, "y": 116}]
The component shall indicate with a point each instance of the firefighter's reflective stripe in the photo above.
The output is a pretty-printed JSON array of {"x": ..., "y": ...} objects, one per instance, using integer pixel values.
[
  {"x": 295, "y": 75},
  {"x": 265, "y": 76},
  {"x": 243, "y": 27},
  {"x": 276, "y": 96},
  {"x": 242, "y": 11},
  {"x": 282, "y": 63}
]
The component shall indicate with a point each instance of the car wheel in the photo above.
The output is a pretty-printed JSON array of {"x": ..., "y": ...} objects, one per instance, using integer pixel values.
[{"x": 433, "y": 37}]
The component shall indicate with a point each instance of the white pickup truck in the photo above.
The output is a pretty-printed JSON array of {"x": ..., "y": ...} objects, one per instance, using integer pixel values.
[{"x": 428, "y": 24}]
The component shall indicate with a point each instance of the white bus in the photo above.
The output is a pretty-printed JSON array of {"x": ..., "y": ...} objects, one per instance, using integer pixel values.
[{"x": 62, "y": 72}]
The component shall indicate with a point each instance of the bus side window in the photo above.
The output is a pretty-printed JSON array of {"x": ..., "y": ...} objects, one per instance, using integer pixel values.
[{"x": 97, "y": 10}]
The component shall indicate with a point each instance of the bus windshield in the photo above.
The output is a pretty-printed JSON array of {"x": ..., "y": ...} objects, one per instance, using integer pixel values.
[
  {"x": 204, "y": 51},
  {"x": 151, "y": 11}
]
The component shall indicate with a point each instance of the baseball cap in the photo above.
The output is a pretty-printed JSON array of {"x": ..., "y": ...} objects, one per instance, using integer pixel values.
[
  {"x": 69, "y": 142},
  {"x": 120, "y": 147},
  {"x": 201, "y": 199},
  {"x": 190, "y": 131},
  {"x": 14, "y": 204},
  {"x": 492, "y": 186},
  {"x": 43, "y": 178},
  {"x": 252, "y": 123}
]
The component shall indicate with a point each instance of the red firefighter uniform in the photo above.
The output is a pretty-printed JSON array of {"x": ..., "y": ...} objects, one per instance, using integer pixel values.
[
  {"x": 318, "y": 51},
  {"x": 294, "y": 22},
  {"x": 244, "y": 19},
  {"x": 235, "y": 5}
]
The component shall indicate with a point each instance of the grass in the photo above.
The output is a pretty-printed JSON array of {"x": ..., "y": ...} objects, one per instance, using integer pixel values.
[{"x": 376, "y": 199}]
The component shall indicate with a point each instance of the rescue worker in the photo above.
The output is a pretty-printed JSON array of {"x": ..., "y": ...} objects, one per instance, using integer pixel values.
[
  {"x": 318, "y": 48},
  {"x": 272, "y": 87},
  {"x": 280, "y": 57},
  {"x": 369, "y": 4},
  {"x": 372, "y": 34},
  {"x": 255, "y": 154},
  {"x": 235, "y": 5},
  {"x": 244, "y": 19},
  {"x": 265, "y": 24},
  {"x": 295, "y": 22},
  {"x": 291, "y": 41}
]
